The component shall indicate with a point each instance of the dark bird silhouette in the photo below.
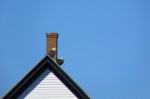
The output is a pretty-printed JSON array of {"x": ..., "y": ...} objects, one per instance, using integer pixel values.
[
  {"x": 60, "y": 61},
  {"x": 52, "y": 52}
]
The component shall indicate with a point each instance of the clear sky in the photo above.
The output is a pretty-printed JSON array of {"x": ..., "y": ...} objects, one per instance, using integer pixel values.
[{"x": 105, "y": 43}]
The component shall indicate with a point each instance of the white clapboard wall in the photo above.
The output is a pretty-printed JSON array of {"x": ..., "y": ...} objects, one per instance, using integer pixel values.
[{"x": 47, "y": 86}]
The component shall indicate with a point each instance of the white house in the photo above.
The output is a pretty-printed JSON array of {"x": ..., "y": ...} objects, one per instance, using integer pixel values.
[{"x": 47, "y": 80}]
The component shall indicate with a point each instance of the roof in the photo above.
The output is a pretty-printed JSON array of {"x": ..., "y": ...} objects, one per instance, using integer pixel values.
[{"x": 46, "y": 63}]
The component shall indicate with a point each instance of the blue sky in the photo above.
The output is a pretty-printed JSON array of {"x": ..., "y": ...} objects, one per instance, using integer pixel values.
[{"x": 105, "y": 43}]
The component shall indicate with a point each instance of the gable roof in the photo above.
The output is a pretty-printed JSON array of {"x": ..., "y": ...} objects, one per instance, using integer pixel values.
[{"x": 46, "y": 63}]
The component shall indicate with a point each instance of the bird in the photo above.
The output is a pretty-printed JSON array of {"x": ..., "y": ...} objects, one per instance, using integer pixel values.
[
  {"x": 52, "y": 52},
  {"x": 60, "y": 61}
]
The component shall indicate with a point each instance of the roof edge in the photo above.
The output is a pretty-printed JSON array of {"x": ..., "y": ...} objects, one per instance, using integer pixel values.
[{"x": 44, "y": 63}]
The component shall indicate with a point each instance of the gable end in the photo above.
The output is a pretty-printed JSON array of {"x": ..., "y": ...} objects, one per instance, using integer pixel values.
[{"x": 46, "y": 63}]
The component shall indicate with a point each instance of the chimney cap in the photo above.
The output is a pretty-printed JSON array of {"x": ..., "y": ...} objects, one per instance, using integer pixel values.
[{"x": 52, "y": 34}]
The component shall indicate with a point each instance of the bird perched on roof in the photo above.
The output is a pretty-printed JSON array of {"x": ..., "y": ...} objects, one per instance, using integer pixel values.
[
  {"x": 52, "y": 52},
  {"x": 60, "y": 61}
]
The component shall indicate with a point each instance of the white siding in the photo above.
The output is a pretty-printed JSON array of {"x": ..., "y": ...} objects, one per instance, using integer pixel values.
[{"x": 47, "y": 86}]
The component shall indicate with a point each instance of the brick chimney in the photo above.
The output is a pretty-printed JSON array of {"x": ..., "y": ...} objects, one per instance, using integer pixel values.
[{"x": 51, "y": 43}]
